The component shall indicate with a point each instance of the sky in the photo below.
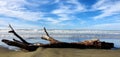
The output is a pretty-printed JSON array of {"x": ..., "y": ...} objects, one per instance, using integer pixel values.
[{"x": 60, "y": 14}]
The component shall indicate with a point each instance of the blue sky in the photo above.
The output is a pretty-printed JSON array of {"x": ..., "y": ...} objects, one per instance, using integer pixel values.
[{"x": 61, "y": 14}]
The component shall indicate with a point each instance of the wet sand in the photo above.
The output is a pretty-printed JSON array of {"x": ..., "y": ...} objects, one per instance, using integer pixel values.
[{"x": 60, "y": 52}]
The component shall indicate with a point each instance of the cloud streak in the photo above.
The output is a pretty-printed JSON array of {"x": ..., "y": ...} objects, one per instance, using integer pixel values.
[
  {"x": 67, "y": 9},
  {"x": 16, "y": 9},
  {"x": 107, "y": 8},
  {"x": 62, "y": 13}
]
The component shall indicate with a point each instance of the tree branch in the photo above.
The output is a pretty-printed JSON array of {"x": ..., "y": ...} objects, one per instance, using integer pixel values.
[
  {"x": 13, "y": 31},
  {"x": 48, "y": 37}
]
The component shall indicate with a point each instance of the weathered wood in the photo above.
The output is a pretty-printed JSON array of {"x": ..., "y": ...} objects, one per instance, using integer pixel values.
[
  {"x": 97, "y": 44},
  {"x": 46, "y": 32},
  {"x": 80, "y": 45},
  {"x": 16, "y": 40},
  {"x": 49, "y": 38},
  {"x": 20, "y": 45}
]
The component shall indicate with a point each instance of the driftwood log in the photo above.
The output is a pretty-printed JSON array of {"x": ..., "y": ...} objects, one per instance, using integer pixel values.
[{"x": 96, "y": 44}]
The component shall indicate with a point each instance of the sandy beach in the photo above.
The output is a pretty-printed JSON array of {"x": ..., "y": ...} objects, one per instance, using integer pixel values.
[{"x": 63, "y": 52}]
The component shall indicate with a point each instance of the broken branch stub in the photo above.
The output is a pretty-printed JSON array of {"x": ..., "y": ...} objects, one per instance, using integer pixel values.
[{"x": 48, "y": 37}]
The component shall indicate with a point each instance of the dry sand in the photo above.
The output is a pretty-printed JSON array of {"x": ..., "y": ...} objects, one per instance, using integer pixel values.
[{"x": 60, "y": 52}]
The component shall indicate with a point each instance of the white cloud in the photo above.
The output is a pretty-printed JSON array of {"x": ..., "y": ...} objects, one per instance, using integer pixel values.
[
  {"x": 73, "y": 7},
  {"x": 14, "y": 8},
  {"x": 53, "y": 21},
  {"x": 4, "y": 22},
  {"x": 56, "y": 1},
  {"x": 57, "y": 21},
  {"x": 66, "y": 11},
  {"x": 107, "y": 7}
]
